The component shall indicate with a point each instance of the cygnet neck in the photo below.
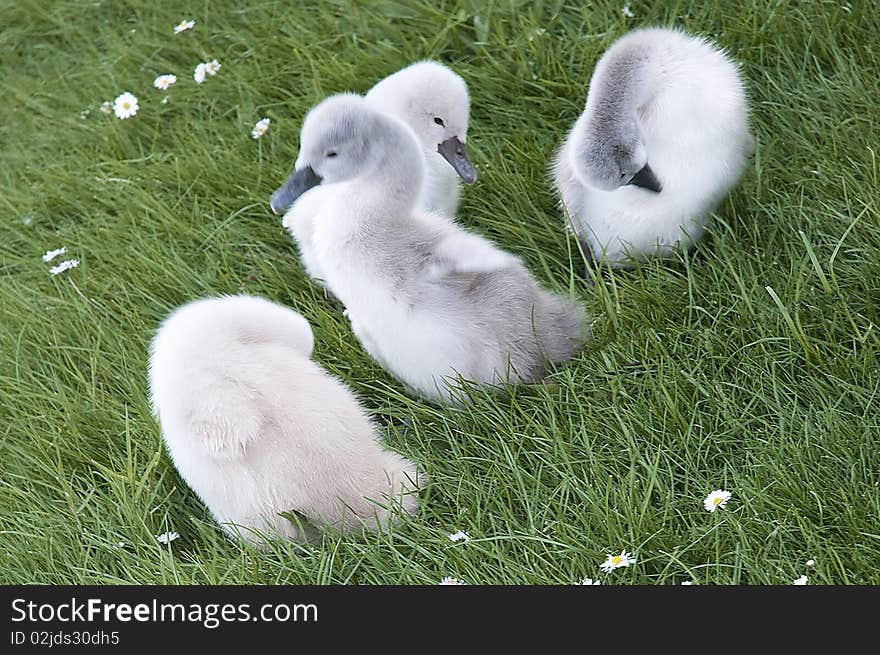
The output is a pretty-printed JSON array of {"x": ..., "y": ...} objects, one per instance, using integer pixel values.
[
  {"x": 397, "y": 178},
  {"x": 625, "y": 79}
]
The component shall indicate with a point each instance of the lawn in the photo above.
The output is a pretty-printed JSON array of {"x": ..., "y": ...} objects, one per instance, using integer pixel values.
[{"x": 749, "y": 365}]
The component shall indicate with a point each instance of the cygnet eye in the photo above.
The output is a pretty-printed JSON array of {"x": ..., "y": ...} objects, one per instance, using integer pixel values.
[
  {"x": 330, "y": 153},
  {"x": 439, "y": 121}
]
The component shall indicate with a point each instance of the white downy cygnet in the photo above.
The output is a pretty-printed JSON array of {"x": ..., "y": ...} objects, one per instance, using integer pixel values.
[
  {"x": 664, "y": 137},
  {"x": 256, "y": 428},
  {"x": 427, "y": 299},
  {"x": 434, "y": 102}
]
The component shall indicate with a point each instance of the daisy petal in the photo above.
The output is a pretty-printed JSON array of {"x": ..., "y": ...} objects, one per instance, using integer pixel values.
[
  {"x": 52, "y": 254},
  {"x": 199, "y": 73},
  {"x": 716, "y": 500},
  {"x": 125, "y": 105},
  {"x": 451, "y": 581},
  {"x": 164, "y": 81},
  {"x": 617, "y": 561},
  {"x": 66, "y": 265}
]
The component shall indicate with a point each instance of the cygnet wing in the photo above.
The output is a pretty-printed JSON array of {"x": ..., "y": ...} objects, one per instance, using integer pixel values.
[{"x": 463, "y": 252}]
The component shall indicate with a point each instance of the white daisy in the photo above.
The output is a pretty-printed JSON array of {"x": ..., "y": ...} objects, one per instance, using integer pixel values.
[
  {"x": 167, "y": 537},
  {"x": 66, "y": 265},
  {"x": 184, "y": 25},
  {"x": 716, "y": 499},
  {"x": 52, "y": 254},
  {"x": 811, "y": 562},
  {"x": 627, "y": 11},
  {"x": 199, "y": 73},
  {"x": 687, "y": 583},
  {"x": 460, "y": 536},
  {"x": 260, "y": 128},
  {"x": 164, "y": 81},
  {"x": 801, "y": 581},
  {"x": 590, "y": 581},
  {"x": 125, "y": 105},
  {"x": 617, "y": 561},
  {"x": 107, "y": 107},
  {"x": 212, "y": 67},
  {"x": 447, "y": 580}
]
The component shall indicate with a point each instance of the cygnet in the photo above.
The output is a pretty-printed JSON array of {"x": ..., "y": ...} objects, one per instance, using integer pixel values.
[
  {"x": 434, "y": 102},
  {"x": 663, "y": 139},
  {"x": 256, "y": 428},
  {"x": 428, "y": 300}
]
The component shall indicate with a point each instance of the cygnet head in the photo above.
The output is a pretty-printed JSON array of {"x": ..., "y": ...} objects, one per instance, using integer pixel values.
[
  {"x": 435, "y": 103},
  {"x": 341, "y": 138},
  {"x": 611, "y": 154}
]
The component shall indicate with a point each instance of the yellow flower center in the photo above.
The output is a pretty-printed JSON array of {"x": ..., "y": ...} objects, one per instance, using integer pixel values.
[
  {"x": 126, "y": 105},
  {"x": 617, "y": 559},
  {"x": 718, "y": 500}
]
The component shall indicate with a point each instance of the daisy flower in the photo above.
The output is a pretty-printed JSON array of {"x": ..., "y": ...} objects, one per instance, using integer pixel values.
[
  {"x": 627, "y": 11},
  {"x": 167, "y": 537},
  {"x": 617, "y": 561},
  {"x": 801, "y": 581},
  {"x": 260, "y": 128},
  {"x": 125, "y": 105},
  {"x": 716, "y": 499},
  {"x": 212, "y": 67},
  {"x": 107, "y": 107},
  {"x": 590, "y": 581},
  {"x": 66, "y": 265},
  {"x": 52, "y": 254},
  {"x": 447, "y": 580},
  {"x": 199, "y": 73},
  {"x": 164, "y": 81},
  {"x": 687, "y": 583},
  {"x": 460, "y": 536},
  {"x": 184, "y": 25},
  {"x": 811, "y": 562}
]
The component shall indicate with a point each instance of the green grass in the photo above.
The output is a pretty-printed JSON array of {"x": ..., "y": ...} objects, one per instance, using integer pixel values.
[{"x": 750, "y": 365}]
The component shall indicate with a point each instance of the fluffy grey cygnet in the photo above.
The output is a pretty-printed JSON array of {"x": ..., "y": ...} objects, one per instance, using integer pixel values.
[
  {"x": 663, "y": 138},
  {"x": 426, "y": 298}
]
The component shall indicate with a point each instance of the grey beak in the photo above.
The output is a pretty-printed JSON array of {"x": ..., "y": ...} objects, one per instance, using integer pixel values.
[
  {"x": 455, "y": 153},
  {"x": 296, "y": 185},
  {"x": 646, "y": 179}
]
